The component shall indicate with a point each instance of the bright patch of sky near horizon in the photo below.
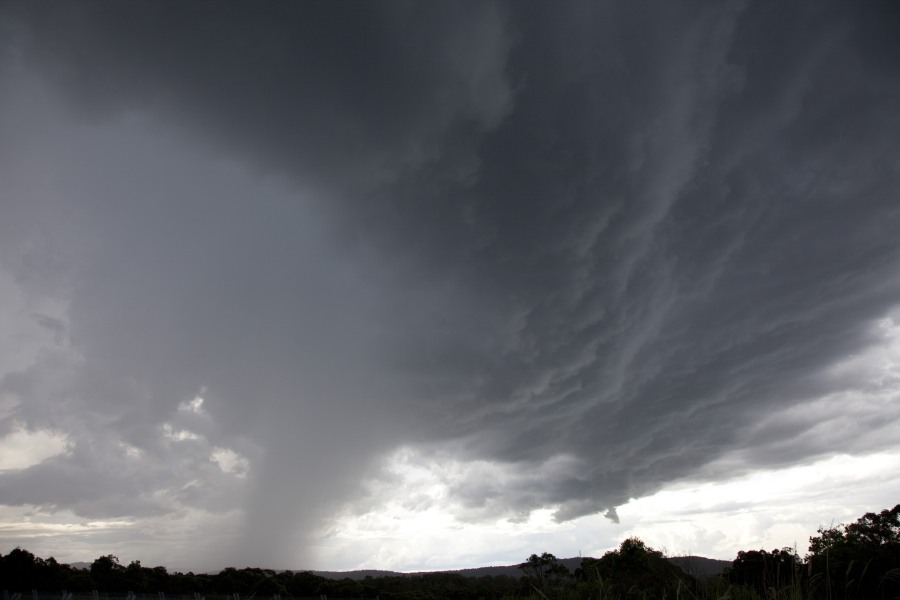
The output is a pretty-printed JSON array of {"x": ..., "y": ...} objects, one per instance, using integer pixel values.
[
  {"x": 541, "y": 274},
  {"x": 774, "y": 509},
  {"x": 771, "y": 509}
]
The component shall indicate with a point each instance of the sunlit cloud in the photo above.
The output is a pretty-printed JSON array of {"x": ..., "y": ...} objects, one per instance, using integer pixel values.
[
  {"x": 770, "y": 509},
  {"x": 192, "y": 406},
  {"x": 179, "y": 435},
  {"x": 230, "y": 461},
  {"x": 21, "y": 448}
]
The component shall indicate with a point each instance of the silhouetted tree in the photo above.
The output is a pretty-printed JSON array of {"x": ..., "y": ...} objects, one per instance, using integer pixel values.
[
  {"x": 107, "y": 574},
  {"x": 545, "y": 572},
  {"x": 860, "y": 559},
  {"x": 17, "y": 570},
  {"x": 762, "y": 571},
  {"x": 135, "y": 578},
  {"x": 637, "y": 570}
]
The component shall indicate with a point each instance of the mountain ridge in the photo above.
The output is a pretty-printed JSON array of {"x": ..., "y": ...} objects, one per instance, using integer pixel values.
[{"x": 699, "y": 567}]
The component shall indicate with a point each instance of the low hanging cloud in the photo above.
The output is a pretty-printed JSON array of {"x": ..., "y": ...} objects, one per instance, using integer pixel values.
[{"x": 561, "y": 256}]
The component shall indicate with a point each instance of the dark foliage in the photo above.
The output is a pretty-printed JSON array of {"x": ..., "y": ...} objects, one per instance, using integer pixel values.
[
  {"x": 545, "y": 572},
  {"x": 633, "y": 571},
  {"x": 761, "y": 570},
  {"x": 21, "y": 571},
  {"x": 860, "y": 560}
]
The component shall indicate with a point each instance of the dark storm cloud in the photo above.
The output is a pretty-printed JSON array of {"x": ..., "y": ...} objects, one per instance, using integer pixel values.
[
  {"x": 352, "y": 92},
  {"x": 598, "y": 245}
]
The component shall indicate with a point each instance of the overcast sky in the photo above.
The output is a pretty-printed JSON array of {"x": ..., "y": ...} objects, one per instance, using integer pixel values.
[{"x": 442, "y": 284}]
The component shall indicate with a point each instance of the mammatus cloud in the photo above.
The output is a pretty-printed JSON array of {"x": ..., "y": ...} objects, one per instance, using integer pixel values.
[{"x": 546, "y": 259}]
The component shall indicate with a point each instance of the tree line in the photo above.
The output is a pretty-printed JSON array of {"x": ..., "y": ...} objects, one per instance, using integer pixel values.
[{"x": 860, "y": 560}]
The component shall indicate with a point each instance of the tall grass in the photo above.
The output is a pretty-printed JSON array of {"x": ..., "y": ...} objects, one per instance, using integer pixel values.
[{"x": 815, "y": 587}]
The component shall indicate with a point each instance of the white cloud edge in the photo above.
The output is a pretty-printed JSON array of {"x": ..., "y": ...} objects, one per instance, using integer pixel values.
[{"x": 23, "y": 448}]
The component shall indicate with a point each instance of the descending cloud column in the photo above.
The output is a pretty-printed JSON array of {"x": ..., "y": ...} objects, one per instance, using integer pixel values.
[{"x": 243, "y": 195}]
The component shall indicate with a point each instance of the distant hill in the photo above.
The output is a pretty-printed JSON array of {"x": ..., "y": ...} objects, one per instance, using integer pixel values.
[
  {"x": 509, "y": 570},
  {"x": 696, "y": 566},
  {"x": 355, "y": 575},
  {"x": 700, "y": 567}
]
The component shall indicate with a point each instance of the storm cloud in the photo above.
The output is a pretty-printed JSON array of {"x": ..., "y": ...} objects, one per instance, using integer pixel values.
[{"x": 562, "y": 255}]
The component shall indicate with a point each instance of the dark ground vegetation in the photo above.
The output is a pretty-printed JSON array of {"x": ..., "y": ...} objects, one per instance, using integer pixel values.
[{"x": 859, "y": 561}]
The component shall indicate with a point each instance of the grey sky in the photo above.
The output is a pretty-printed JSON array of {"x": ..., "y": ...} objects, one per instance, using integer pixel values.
[{"x": 585, "y": 250}]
